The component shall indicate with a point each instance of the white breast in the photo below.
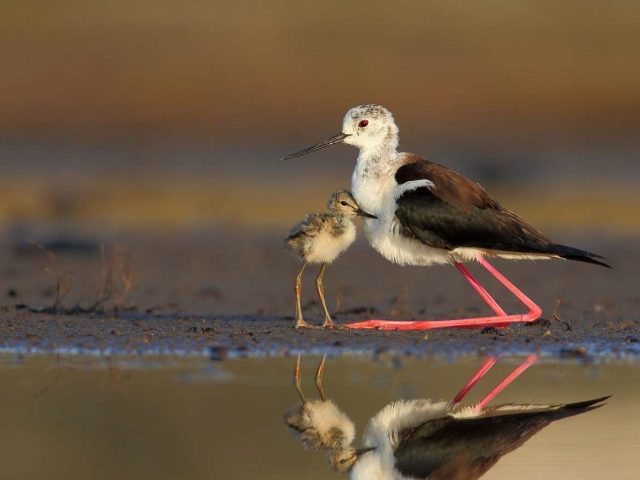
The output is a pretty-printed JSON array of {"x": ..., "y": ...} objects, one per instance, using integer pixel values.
[
  {"x": 382, "y": 430},
  {"x": 382, "y": 433},
  {"x": 369, "y": 467},
  {"x": 377, "y": 194},
  {"x": 326, "y": 247}
]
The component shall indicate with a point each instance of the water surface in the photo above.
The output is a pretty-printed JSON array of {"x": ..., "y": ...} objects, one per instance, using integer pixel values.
[{"x": 77, "y": 417}]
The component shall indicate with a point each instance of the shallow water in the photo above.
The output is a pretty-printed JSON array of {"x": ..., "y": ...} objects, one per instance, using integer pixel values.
[{"x": 79, "y": 417}]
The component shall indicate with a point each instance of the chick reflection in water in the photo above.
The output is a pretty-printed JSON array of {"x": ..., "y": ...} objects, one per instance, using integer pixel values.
[{"x": 423, "y": 439}]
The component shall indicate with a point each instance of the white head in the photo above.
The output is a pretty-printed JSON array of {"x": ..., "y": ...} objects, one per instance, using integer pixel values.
[{"x": 371, "y": 128}]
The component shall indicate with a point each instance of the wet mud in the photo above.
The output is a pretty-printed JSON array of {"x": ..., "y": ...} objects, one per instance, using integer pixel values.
[{"x": 228, "y": 293}]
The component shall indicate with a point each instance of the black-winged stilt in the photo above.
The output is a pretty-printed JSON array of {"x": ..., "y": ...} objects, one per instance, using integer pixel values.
[
  {"x": 320, "y": 238},
  {"x": 428, "y": 214},
  {"x": 427, "y": 439}
]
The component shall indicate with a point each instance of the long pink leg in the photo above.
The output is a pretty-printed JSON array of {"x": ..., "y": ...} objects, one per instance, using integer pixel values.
[
  {"x": 501, "y": 319},
  {"x": 482, "y": 371},
  {"x": 530, "y": 360},
  {"x": 481, "y": 291},
  {"x": 486, "y": 296},
  {"x": 510, "y": 286}
]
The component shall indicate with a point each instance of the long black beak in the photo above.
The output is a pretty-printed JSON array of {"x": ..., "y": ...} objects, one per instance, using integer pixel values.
[
  {"x": 362, "y": 451},
  {"x": 338, "y": 138},
  {"x": 362, "y": 213}
]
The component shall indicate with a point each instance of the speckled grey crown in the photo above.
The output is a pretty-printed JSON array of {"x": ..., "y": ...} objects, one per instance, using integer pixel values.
[{"x": 372, "y": 111}]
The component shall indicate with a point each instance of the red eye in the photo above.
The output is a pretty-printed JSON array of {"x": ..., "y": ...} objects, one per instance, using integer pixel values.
[{"x": 363, "y": 123}]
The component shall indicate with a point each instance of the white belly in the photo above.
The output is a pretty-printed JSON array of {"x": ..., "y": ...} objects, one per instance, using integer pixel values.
[
  {"x": 384, "y": 237},
  {"x": 377, "y": 196}
]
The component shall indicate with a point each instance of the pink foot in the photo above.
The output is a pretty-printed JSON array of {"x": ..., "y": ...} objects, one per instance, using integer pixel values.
[{"x": 501, "y": 319}]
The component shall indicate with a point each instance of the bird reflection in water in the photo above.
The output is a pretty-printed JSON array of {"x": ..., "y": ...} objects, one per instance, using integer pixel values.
[{"x": 424, "y": 438}]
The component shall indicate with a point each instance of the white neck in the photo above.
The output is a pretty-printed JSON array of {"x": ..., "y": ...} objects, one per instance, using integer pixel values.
[
  {"x": 376, "y": 162},
  {"x": 384, "y": 143},
  {"x": 370, "y": 467},
  {"x": 374, "y": 172},
  {"x": 380, "y": 151}
]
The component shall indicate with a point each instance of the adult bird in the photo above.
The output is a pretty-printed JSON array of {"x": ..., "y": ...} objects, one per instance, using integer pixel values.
[
  {"x": 424, "y": 438},
  {"x": 428, "y": 214}
]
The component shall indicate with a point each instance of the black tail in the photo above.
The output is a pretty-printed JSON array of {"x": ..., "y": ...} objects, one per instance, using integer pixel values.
[{"x": 571, "y": 253}]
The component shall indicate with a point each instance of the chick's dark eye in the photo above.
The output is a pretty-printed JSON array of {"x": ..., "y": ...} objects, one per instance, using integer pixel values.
[
  {"x": 363, "y": 123},
  {"x": 343, "y": 203}
]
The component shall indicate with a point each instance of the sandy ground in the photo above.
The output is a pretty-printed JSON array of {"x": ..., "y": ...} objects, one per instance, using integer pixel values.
[{"x": 227, "y": 292}]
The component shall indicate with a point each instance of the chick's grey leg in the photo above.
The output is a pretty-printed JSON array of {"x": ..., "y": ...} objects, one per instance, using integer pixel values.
[
  {"x": 319, "y": 374},
  {"x": 328, "y": 323},
  {"x": 296, "y": 381},
  {"x": 297, "y": 289}
]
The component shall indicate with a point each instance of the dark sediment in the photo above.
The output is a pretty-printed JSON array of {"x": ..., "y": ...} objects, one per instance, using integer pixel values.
[{"x": 228, "y": 294}]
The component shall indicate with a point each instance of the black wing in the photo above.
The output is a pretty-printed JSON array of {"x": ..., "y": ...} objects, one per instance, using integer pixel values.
[
  {"x": 457, "y": 212},
  {"x": 465, "y": 448}
]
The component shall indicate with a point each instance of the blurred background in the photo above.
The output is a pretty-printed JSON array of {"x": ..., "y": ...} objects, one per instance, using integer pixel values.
[
  {"x": 163, "y": 115},
  {"x": 140, "y": 180}
]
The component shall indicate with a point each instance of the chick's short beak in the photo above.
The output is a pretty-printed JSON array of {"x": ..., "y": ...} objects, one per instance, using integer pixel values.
[
  {"x": 362, "y": 451},
  {"x": 362, "y": 213}
]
